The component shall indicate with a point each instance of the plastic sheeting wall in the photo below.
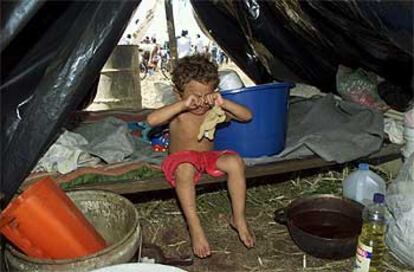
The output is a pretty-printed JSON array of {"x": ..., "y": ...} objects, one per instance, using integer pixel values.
[
  {"x": 50, "y": 60},
  {"x": 304, "y": 41}
]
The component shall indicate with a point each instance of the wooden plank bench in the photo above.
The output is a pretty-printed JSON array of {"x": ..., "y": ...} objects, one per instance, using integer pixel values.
[{"x": 387, "y": 153}]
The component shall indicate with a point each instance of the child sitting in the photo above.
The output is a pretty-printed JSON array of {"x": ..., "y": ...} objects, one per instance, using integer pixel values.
[{"x": 196, "y": 80}]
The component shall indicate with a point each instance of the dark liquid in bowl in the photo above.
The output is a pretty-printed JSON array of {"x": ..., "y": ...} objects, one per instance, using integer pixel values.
[{"x": 327, "y": 224}]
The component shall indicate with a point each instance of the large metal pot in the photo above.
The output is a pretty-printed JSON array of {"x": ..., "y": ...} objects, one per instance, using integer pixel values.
[{"x": 324, "y": 226}]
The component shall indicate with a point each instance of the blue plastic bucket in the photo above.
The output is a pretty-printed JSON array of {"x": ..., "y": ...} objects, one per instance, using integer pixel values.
[{"x": 265, "y": 134}]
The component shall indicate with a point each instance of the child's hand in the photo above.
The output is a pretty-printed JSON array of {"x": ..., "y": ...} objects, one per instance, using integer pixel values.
[
  {"x": 192, "y": 102},
  {"x": 214, "y": 99},
  {"x": 219, "y": 99}
]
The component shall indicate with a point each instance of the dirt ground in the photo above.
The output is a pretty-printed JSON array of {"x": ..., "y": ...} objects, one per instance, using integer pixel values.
[{"x": 164, "y": 226}]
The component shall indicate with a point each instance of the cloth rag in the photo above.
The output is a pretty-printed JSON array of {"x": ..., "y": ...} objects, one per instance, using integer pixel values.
[
  {"x": 107, "y": 140},
  {"x": 66, "y": 155},
  {"x": 213, "y": 117}
]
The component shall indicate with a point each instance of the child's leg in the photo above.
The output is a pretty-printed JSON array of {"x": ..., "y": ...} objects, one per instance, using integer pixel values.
[
  {"x": 185, "y": 189},
  {"x": 233, "y": 165}
]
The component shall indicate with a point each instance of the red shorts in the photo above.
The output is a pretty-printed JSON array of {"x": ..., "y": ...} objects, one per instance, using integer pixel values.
[{"x": 203, "y": 162}]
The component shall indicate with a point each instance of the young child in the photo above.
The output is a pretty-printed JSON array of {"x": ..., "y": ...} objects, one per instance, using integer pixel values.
[{"x": 196, "y": 80}]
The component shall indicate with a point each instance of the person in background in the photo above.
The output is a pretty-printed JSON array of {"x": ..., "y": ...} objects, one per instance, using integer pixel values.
[
  {"x": 146, "y": 53},
  {"x": 223, "y": 57},
  {"x": 155, "y": 56},
  {"x": 196, "y": 81},
  {"x": 125, "y": 40},
  {"x": 146, "y": 40},
  {"x": 200, "y": 48},
  {"x": 214, "y": 52},
  {"x": 165, "y": 51},
  {"x": 183, "y": 45}
]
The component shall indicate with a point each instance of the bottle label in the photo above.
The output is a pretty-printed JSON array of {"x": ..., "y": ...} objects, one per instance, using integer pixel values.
[{"x": 363, "y": 257}]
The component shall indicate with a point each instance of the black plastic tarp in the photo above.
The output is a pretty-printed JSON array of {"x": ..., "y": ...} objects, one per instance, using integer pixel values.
[
  {"x": 304, "y": 41},
  {"x": 47, "y": 70},
  {"x": 52, "y": 53}
]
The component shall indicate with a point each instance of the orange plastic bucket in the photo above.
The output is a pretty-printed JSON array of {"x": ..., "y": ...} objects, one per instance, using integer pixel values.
[{"x": 43, "y": 222}]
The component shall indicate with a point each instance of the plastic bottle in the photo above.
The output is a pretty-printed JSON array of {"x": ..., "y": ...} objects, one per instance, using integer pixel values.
[
  {"x": 362, "y": 184},
  {"x": 371, "y": 247}
]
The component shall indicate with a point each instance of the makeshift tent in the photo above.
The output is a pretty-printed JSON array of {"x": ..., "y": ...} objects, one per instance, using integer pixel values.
[{"x": 53, "y": 51}]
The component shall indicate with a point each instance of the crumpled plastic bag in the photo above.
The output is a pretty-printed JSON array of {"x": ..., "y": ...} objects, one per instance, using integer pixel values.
[
  {"x": 229, "y": 80},
  {"x": 359, "y": 86},
  {"x": 394, "y": 130},
  {"x": 400, "y": 202}
]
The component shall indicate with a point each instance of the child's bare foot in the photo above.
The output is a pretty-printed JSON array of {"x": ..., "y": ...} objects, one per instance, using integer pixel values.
[
  {"x": 245, "y": 235},
  {"x": 201, "y": 247}
]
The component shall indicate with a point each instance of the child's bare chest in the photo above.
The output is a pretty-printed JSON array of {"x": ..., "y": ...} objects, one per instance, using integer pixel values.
[
  {"x": 184, "y": 132},
  {"x": 187, "y": 126}
]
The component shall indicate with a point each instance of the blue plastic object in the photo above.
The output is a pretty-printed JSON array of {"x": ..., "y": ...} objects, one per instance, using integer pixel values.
[{"x": 265, "y": 134}]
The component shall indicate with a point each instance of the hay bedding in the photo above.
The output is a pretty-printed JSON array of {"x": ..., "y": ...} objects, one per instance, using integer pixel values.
[{"x": 163, "y": 225}]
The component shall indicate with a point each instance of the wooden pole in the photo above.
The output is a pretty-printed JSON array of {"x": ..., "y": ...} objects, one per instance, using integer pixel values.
[{"x": 171, "y": 31}]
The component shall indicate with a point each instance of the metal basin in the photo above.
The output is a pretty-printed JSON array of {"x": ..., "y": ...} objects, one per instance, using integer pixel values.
[{"x": 324, "y": 226}]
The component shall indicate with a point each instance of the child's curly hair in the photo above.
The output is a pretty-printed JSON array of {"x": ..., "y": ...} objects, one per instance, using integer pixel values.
[{"x": 197, "y": 67}]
